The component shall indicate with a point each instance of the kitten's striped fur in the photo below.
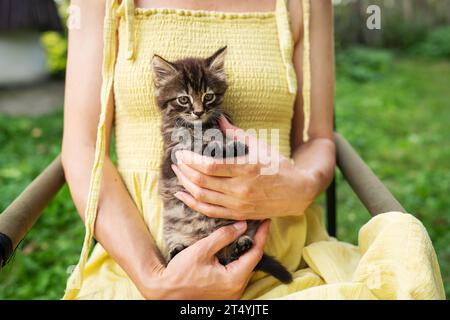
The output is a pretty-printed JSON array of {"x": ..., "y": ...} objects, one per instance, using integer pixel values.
[{"x": 190, "y": 91}]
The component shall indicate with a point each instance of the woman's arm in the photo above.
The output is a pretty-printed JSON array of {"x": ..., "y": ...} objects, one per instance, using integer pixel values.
[
  {"x": 119, "y": 226},
  {"x": 317, "y": 156},
  {"x": 240, "y": 191}
]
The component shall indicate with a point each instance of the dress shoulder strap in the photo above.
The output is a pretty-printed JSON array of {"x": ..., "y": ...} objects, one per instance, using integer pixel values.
[
  {"x": 306, "y": 89},
  {"x": 126, "y": 10},
  {"x": 287, "y": 51},
  {"x": 286, "y": 43}
]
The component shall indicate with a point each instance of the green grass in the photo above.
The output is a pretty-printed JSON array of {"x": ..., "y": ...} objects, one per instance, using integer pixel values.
[{"x": 397, "y": 118}]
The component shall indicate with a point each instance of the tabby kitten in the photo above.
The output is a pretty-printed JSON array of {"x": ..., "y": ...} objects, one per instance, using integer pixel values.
[{"x": 190, "y": 93}]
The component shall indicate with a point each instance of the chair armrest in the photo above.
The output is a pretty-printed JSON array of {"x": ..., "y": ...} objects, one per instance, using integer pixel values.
[
  {"x": 22, "y": 213},
  {"x": 369, "y": 189}
]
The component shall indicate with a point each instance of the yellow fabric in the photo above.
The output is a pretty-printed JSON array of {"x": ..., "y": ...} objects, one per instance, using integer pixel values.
[
  {"x": 306, "y": 90},
  {"x": 394, "y": 258}
]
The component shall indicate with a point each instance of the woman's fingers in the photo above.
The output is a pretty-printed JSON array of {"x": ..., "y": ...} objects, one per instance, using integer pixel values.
[
  {"x": 221, "y": 184},
  {"x": 210, "y": 196},
  {"x": 220, "y": 238},
  {"x": 210, "y": 210},
  {"x": 201, "y": 194},
  {"x": 228, "y": 167},
  {"x": 228, "y": 186},
  {"x": 248, "y": 261}
]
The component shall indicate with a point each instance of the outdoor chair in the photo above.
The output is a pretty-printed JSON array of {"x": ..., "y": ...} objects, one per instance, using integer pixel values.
[{"x": 20, "y": 216}]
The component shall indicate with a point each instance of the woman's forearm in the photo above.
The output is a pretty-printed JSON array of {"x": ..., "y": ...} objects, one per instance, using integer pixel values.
[
  {"x": 119, "y": 227},
  {"x": 317, "y": 158}
]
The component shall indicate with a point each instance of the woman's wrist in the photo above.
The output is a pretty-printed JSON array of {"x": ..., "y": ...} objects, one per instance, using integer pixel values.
[
  {"x": 308, "y": 187},
  {"x": 150, "y": 281},
  {"x": 160, "y": 284}
]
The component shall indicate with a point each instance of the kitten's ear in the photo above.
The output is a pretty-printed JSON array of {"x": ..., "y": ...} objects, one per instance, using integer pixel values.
[
  {"x": 216, "y": 63},
  {"x": 163, "y": 70}
]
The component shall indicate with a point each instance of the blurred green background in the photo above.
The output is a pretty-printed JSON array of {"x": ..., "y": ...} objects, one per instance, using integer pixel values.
[{"x": 392, "y": 104}]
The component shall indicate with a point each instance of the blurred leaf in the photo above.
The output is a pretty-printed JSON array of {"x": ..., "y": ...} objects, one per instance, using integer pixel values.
[
  {"x": 436, "y": 44},
  {"x": 56, "y": 48}
]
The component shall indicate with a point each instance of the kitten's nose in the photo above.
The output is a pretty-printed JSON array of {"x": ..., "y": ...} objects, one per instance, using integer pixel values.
[{"x": 198, "y": 113}]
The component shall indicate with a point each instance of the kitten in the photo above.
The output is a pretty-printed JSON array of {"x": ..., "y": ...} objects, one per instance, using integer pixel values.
[{"x": 190, "y": 93}]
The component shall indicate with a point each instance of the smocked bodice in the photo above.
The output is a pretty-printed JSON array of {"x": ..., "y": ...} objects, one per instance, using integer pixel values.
[{"x": 259, "y": 94}]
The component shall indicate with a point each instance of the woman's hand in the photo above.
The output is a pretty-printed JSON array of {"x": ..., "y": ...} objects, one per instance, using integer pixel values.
[
  {"x": 252, "y": 188},
  {"x": 196, "y": 273}
]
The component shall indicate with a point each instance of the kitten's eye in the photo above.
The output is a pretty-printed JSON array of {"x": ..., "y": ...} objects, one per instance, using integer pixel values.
[
  {"x": 209, "y": 97},
  {"x": 183, "y": 100}
]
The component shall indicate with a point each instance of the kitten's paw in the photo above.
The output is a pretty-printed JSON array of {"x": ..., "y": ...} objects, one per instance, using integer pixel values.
[
  {"x": 242, "y": 245},
  {"x": 178, "y": 248}
]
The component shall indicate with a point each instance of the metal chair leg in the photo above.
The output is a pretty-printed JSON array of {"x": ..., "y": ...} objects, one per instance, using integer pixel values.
[{"x": 331, "y": 209}]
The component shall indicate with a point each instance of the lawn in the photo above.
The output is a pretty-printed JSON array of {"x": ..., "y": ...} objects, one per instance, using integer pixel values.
[{"x": 395, "y": 112}]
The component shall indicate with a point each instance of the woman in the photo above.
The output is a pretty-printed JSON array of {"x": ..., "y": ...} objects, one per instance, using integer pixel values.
[{"x": 270, "y": 43}]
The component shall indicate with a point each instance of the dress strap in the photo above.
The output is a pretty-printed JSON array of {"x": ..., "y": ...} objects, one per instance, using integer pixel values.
[
  {"x": 109, "y": 58},
  {"x": 126, "y": 10},
  {"x": 287, "y": 52},
  {"x": 306, "y": 69},
  {"x": 286, "y": 44}
]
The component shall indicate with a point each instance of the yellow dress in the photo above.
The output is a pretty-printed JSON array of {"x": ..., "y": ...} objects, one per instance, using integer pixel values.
[{"x": 394, "y": 259}]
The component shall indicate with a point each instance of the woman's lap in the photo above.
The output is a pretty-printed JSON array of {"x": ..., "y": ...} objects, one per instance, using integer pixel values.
[{"x": 394, "y": 259}]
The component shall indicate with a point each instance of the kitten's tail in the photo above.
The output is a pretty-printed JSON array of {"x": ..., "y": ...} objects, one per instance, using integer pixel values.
[{"x": 271, "y": 266}]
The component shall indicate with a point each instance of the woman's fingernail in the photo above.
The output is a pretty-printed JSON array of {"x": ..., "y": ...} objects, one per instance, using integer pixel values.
[
  {"x": 240, "y": 226},
  {"x": 178, "y": 195},
  {"x": 179, "y": 156}
]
